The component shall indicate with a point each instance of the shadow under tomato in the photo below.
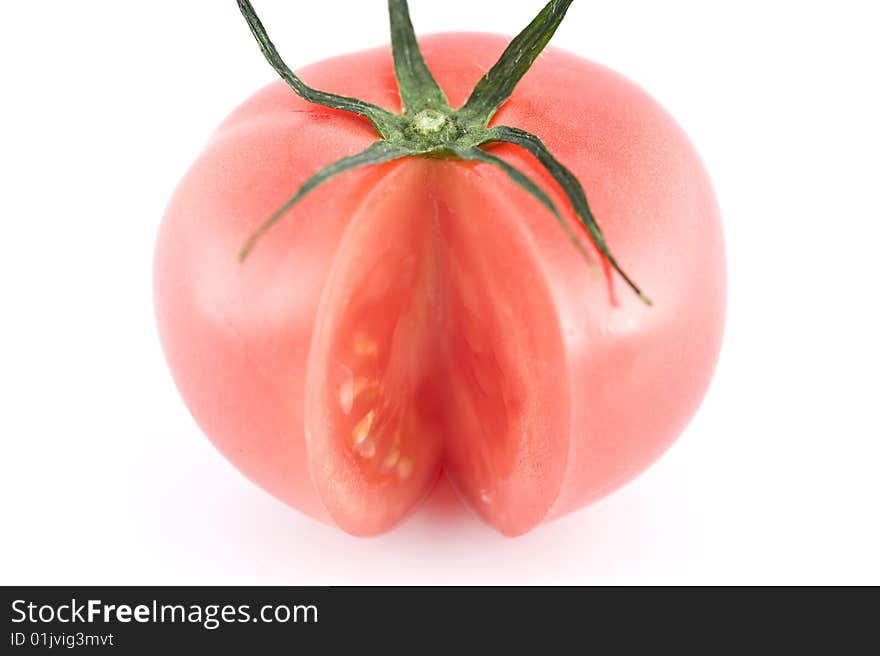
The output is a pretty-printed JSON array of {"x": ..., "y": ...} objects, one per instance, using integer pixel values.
[{"x": 202, "y": 522}]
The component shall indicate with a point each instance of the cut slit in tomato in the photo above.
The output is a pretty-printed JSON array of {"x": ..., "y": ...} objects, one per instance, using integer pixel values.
[{"x": 436, "y": 346}]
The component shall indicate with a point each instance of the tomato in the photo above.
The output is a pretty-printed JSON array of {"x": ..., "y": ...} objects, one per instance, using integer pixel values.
[{"x": 427, "y": 317}]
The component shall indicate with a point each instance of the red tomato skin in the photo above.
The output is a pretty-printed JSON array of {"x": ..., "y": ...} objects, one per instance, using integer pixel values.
[{"x": 238, "y": 338}]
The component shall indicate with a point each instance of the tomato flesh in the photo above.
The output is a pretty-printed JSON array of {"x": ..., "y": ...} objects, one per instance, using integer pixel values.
[
  {"x": 373, "y": 449},
  {"x": 507, "y": 397},
  {"x": 435, "y": 346}
]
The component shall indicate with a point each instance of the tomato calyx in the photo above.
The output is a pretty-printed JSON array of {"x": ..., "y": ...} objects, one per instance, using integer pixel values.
[{"x": 430, "y": 127}]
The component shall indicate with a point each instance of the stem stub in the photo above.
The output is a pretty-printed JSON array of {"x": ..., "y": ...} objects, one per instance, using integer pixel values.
[{"x": 429, "y": 121}]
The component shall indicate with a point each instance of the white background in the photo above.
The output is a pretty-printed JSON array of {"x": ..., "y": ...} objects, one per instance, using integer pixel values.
[{"x": 105, "y": 477}]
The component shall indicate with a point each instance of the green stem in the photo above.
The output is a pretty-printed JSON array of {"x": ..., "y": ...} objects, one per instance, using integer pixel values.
[
  {"x": 429, "y": 127},
  {"x": 418, "y": 89},
  {"x": 383, "y": 120},
  {"x": 378, "y": 153},
  {"x": 527, "y": 184},
  {"x": 499, "y": 82},
  {"x": 572, "y": 187}
]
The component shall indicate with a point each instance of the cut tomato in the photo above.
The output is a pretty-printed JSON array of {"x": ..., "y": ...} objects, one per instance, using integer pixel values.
[
  {"x": 436, "y": 343},
  {"x": 435, "y": 312}
]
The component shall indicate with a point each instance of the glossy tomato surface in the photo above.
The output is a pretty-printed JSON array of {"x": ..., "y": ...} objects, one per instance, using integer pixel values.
[{"x": 428, "y": 316}]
